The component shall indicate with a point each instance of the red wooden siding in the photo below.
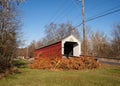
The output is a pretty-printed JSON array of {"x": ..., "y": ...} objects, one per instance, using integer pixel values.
[{"x": 53, "y": 50}]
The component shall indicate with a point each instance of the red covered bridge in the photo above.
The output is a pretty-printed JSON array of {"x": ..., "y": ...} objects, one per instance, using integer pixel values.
[{"x": 69, "y": 46}]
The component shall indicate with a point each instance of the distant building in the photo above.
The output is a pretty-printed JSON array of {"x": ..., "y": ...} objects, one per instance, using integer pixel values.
[{"x": 66, "y": 47}]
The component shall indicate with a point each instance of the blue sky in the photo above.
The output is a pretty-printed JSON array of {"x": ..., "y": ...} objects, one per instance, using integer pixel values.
[{"x": 38, "y": 13}]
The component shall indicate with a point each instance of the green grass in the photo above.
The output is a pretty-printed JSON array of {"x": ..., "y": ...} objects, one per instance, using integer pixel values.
[{"x": 105, "y": 76}]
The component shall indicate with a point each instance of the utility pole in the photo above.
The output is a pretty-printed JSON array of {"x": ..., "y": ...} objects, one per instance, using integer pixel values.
[
  {"x": 27, "y": 56},
  {"x": 84, "y": 31}
]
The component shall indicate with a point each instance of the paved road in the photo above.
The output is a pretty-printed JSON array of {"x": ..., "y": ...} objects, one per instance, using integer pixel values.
[{"x": 111, "y": 63}]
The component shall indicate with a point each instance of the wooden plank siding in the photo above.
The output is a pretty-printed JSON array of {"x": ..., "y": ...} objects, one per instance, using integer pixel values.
[{"x": 51, "y": 51}]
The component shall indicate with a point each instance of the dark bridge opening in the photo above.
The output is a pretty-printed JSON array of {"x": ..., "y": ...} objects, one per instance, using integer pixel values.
[{"x": 68, "y": 48}]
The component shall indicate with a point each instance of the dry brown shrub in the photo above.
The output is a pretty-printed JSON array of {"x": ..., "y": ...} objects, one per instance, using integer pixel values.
[
  {"x": 11, "y": 70},
  {"x": 77, "y": 63},
  {"x": 44, "y": 63}
]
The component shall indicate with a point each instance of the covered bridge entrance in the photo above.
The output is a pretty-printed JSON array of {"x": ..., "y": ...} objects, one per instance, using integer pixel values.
[{"x": 67, "y": 47}]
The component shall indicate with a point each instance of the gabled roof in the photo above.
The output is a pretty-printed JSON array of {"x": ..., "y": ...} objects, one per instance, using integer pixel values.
[
  {"x": 55, "y": 42},
  {"x": 51, "y": 43}
]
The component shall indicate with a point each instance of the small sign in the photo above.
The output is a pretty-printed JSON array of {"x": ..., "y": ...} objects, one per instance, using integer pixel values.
[{"x": 71, "y": 40}]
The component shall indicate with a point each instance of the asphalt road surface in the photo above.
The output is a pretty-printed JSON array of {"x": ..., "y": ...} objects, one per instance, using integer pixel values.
[{"x": 110, "y": 63}]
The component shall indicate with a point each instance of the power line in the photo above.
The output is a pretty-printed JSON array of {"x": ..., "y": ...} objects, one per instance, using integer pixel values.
[
  {"x": 63, "y": 12},
  {"x": 100, "y": 5},
  {"x": 111, "y": 9},
  {"x": 57, "y": 11},
  {"x": 76, "y": 3},
  {"x": 115, "y": 11}
]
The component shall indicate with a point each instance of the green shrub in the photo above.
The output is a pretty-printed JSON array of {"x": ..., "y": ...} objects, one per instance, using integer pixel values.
[{"x": 20, "y": 63}]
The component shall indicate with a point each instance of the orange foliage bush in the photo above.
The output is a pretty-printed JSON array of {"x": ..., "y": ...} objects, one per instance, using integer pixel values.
[{"x": 77, "y": 63}]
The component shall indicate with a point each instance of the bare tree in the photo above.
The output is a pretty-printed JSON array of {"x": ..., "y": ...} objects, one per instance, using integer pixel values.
[
  {"x": 31, "y": 49},
  {"x": 99, "y": 44},
  {"x": 88, "y": 41},
  {"x": 21, "y": 52},
  {"x": 55, "y": 32},
  {"x": 115, "y": 42},
  {"x": 9, "y": 29}
]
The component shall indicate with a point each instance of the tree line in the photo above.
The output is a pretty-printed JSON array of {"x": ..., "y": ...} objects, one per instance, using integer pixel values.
[{"x": 98, "y": 44}]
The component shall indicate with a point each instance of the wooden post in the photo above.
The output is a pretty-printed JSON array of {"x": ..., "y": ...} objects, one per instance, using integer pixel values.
[{"x": 84, "y": 31}]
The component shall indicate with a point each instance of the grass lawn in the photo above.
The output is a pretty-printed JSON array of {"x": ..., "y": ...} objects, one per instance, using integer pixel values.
[{"x": 105, "y": 76}]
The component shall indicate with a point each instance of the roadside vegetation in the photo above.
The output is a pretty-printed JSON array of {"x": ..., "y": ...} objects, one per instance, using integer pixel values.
[
  {"x": 78, "y": 63},
  {"x": 104, "y": 76}
]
